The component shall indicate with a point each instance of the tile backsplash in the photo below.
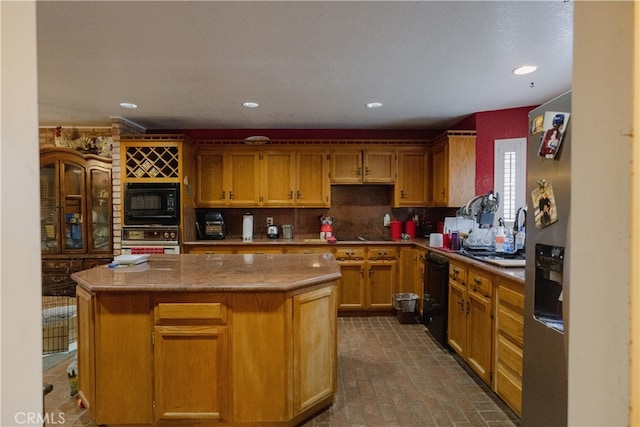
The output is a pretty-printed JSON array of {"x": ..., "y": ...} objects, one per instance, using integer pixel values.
[{"x": 357, "y": 210}]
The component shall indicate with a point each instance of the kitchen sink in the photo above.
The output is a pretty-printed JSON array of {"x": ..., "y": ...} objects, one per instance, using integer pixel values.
[{"x": 502, "y": 259}]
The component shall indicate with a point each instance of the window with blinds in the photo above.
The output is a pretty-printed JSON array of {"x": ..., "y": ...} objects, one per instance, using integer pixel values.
[{"x": 510, "y": 176}]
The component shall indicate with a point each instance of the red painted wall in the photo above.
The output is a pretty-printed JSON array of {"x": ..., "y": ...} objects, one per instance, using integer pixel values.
[{"x": 492, "y": 125}]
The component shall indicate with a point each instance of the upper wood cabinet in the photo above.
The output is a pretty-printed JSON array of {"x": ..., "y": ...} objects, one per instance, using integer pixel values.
[
  {"x": 227, "y": 178},
  {"x": 413, "y": 186},
  {"x": 454, "y": 168},
  {"x": 312, "y": 179},
  {"x": 363, "y": 166},
  {"x": 278, "y": 178}
]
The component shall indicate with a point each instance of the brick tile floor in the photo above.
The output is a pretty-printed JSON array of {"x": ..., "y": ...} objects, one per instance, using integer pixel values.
[{"x": 389, "y": 374}]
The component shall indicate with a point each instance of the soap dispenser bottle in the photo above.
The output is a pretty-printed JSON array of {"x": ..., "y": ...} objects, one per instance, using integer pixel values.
[{"x": 500, "y": 236}]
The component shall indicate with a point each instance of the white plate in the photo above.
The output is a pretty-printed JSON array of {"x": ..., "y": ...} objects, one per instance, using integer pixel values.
[{"x": 131, "y": 259}]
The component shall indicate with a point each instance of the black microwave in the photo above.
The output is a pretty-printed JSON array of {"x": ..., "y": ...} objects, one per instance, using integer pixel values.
[{"x": 152, "y": 203}]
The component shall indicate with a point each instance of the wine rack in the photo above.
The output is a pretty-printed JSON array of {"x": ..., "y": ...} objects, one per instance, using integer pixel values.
[{"x": 152, "y": 161}]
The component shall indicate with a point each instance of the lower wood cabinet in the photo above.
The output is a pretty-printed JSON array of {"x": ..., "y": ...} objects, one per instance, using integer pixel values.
[
  {"x": 190, "y": 358},
  {"x": 187, "y": 359},
  {"x": 509, "y": 320},
  {"x": 369, "y": 277},
  {"x": 470, "y": 318}
]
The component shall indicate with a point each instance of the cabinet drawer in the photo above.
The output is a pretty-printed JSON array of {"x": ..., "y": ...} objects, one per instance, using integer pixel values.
[
  {"x": 509, "y": 356},
  {"x": 250, "y": 250},
  {"x": 190, "y": 310},
  {"x": 308, "y": 249},
  {"x": 58, "y": 265},
  {"x": 457, "y": 273},
  {"x": 511, "y": 298},
  {"x": 480, "y": 282},
  {"x": 345, "y": 254},
  {"x": 382, "y": 254},
  {"x": 511, "y": 323}
]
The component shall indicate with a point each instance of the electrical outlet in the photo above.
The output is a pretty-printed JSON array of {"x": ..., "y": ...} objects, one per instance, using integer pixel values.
[{"x": 269, "y": 220}]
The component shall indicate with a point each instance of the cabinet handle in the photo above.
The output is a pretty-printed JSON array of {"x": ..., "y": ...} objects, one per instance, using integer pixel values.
[
  {"x": 468, "y": 306},
  {"x": 358, "y": 171},
  {"x": 461, "y": 302},
  {"x": 403, "y": 195},
  {"x": 231, "y": 195},
  {"x": 298, "y": 195},
  {"x": 361, "y": 273},
  {"x": 291, "y": 195},
  {"x": 366, "y": 171},
  {"x": 222, "y": 195}
]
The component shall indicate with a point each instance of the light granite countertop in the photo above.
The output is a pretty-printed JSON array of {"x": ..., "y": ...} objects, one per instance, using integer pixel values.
[
  {"x": 213, "y": 273},
  {"x": 514, "y": 273}
]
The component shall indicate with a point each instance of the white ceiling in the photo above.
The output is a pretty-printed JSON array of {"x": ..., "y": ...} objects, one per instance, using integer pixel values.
[{"x": 191, "y": 65}]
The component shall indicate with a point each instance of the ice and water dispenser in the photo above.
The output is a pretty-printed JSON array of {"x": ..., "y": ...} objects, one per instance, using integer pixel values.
[{"x": 549, "y": 263}]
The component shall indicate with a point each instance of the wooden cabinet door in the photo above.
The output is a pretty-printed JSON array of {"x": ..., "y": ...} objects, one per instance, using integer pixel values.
[
  {"x": 440, "y": 174},
  {"x": 381, "y": 278},
  {"x": 312, "y": 179},
  {"x": 314, "y": 347},
  {"x": 379, "y": 166},
  {"x": 479, "y": 335},
  {"x": 242, "y": 178},
  {"x": 276, "y": 173},
  {"x": 86, "y": 346},
  {"x": 351, "y": 287},
  {"x": 99, "y": 207},
  {"x": 454, "y": 168},
  {"x": 346, "y": 167},
  {"x": 413, "y": 184},
  {"x": 210, "y": 189},
  {"x": 457, "y": 329},
  {"x": 191, "y": 373},
  {"x": 408, "y": 271}
]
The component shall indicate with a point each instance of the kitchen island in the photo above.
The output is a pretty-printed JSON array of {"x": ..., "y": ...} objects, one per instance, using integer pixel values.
[{"x": 208, "y": 339}]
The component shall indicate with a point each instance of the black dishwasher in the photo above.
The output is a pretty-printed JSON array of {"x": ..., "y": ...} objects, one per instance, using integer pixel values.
[{"x": 436, "y": 296}]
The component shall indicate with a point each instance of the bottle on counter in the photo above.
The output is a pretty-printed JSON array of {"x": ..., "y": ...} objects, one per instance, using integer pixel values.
[
  {"x": 500, "y": 237},
  {"x": 509, "y": 241},
  {"x": 520, "y": 238}
]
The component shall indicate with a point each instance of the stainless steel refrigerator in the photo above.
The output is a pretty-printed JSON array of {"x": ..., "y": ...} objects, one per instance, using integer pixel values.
[{"x": 546, "y": 317}]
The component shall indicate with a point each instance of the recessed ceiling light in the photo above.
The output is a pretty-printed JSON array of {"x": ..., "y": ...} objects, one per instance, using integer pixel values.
[
  {"x": 374, "y": 105},
  {"x": 250, "y": 104},
  {"x": 128, "y": 105},
  {"x": 525, "y": 69}
]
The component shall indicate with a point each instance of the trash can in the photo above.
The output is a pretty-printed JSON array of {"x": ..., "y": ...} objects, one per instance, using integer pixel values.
[{"x": 405, "y": 306}]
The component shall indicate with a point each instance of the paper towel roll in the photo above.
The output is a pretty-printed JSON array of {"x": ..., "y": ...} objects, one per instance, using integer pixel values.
[
  {"x": 247, "y": 227},
  {"x": 435, "y": 240}
]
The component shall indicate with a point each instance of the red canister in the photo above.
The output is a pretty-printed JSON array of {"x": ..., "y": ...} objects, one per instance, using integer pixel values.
[
  {"x": 396, "y": 229},
  {"x": 410, "y": 229}
]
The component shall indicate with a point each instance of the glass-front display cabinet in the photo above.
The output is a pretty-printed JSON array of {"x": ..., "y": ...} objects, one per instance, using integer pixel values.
[{"x": 75, "y": 214}]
